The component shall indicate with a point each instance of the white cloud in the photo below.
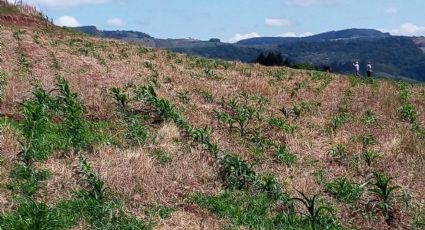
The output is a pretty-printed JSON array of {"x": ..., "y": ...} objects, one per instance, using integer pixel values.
[
  {"x": 288, "y": 34},
  {"x": 62, "y": 3},
  {"x": 67, "y": 21},
  {"x": 277, "y": 22},
  {"x": 237, "y": 37},
  {"x": 115, "y": 22},
  {"x": 391, "y": 10},
  {"x": 306, "y": 3},
  {"x": 306, "y": 34},
  {"x": 293, "y": 34},
  {"x": 409, "y": 29}
]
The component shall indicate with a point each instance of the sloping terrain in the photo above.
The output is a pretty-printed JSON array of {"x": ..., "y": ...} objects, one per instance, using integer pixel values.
[{"x": 102, "y": 134}]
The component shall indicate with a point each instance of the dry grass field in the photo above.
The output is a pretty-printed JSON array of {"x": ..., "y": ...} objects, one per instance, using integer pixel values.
[{"x": 89, "y": 157}]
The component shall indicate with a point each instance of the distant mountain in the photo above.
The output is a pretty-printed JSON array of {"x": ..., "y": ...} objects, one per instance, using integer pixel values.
[
  {"x": 392, "y": 56},
  {"x": 348, "y": 34}
]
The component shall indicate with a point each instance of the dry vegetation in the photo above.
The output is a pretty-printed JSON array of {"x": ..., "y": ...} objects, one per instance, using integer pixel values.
[{"x": 303, "y": 114}]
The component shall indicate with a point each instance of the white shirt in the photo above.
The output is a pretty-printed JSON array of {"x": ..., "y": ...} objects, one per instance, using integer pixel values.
[
  {"x": 369, "y": 67},
  {"x": 357, "y": 66}
]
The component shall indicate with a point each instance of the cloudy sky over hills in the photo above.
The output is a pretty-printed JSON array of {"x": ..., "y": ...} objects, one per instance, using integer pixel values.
[{"x": 233, "y": 20}]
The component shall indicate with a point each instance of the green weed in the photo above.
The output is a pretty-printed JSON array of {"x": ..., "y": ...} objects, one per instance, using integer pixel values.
[{"x": 161, "y": 157}]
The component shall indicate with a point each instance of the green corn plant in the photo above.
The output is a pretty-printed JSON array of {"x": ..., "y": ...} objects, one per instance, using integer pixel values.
[
  {"x": 284, "y": 156},
  {"x": 337, "y": 121},
  {"x": 235, "y": 173},
  {"x": 385, "y": 193},
  {"x": 268, "y": 184},
  {"x": 369, "y": 118},
  {"x": 75, "y": 127},
  {"x": 201, "y": 135},
  {"x": 344, "y": 189},
  {"x": 314, "y": 210},
  {"x": 121, "y": 99},
  {"x": 367, "y": 141},
  {"x": 136, "y": 133},
  {"x": 282, "y": 125},
  {"x": 184, "y": 97},
  {"x": 339, "y": 153},
  {"x": 261, "y": 143},
  {"x": 93, "y": 182},
  {"x": 369, "y": 157},
  {"x": 408, "y": 113},
  {"x": 2, "y": 84},
  {"x": 279, "y": 74},
  {"x": 207, "y": 96},
  {"x": 405, "y": 91}
]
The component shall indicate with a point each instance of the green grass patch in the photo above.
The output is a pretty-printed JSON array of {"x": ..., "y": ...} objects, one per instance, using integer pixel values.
[
  {"x": 259, "y": 211},
  {"x": 161, "y": 157},
  {"x": 65, "y": 214}
]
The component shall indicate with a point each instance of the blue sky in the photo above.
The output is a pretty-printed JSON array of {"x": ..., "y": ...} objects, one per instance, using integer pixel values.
[{"x": 232, "y": 20}]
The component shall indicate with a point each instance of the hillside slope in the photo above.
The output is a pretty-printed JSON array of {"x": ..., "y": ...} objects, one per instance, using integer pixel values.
[{"x": 184, "y": 142}]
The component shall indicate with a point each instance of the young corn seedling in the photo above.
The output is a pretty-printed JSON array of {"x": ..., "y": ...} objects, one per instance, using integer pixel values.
[
  {"x": 369, "y": 157},
  {"x": 2, "y": 84},
  {"x": 75, "y": 127},
  {"x": 385, "y": 193},
  {"x": 314, "y": 210},
  {"x": 284, "y": 156},
  {"x": 408, "y": 113},
  {"x": 344, "y": 190},
  {"x": 282, "y": 124},
  {"x": 184, "y": 97},
  {"x": 92, "y": 181},
  {"x": 235, "y": 173},
  {"x": 339, "y": 153},
  {"x": 369, "y": 118}
]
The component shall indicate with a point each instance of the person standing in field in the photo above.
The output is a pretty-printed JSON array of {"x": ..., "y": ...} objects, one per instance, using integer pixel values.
[
  {"x": 357, "y": 68},
  {"x": 369, "y": 69}
]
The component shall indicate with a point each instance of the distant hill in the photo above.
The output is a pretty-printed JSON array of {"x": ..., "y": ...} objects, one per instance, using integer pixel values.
[
  {"x": 348, "y": 34},
  {"x": 392, "y": 56}
]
